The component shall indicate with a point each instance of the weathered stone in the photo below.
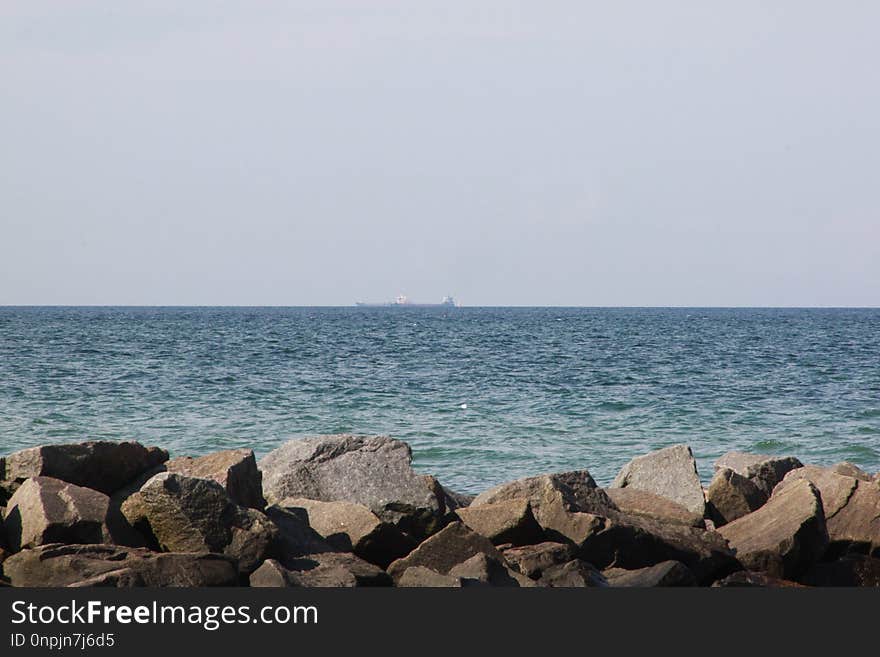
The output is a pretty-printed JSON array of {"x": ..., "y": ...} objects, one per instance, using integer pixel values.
[
  {"x": 785, "y": 536},
  {"x": 421, "y": 577},
  {"x": 458, "y": 500},
  {"x": 482, "y": 570},
  {"x": 732, "y": 496},
  {"x": 670, "y": 472},
  {"x": 101, "y": 465},
  {"x": 764, "y": 471},
  {"x": 327, "y": 569},
  {"x": 532, "y": 560},
  {"x": 234, "y": 469},
  {"x": 375, "y": 471},
  {"x": 46, "y": 510},
  {"x": 186, "y": 514},
  {"x": 851, "y": 470},
  {"x": 573, "y": 574},
  {"x": 354, "y": 528},
  {"x": 107, "y": 565},
  {"x": 510, "y": 521},
  {"x": 747, "y": 578},
  {"x": 853, "y": 570},
  {"x": 633, "y": 501},
  {"x": 665, "y": 573},
  {"x": 452, "y": 545},
  {"x": 271, "y": 574},
  {"x": 295, "y": 538}
]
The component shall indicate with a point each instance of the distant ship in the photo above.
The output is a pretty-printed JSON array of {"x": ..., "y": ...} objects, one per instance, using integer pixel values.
[{"x": 402, "y": 302}]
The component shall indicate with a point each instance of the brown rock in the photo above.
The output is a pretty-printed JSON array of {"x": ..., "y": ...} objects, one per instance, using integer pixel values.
[
  {"x": 670, "y": 472},
  {"x": 452, "y": 545},
  {"x": 509, "y": 521},
  {"x": 532, "y": 560},
  {"x": 234, "y": 469},
  {"x": 764, "y": 471},
  {"x": 852, "y": 570},
  {"x": 633, "y": 501},
  {"x": 482, "y": 570},
  {"x": 851, "y": 470},
  {"x": 663, "y": 574},
  {"x": 746, "y": 578},
  {"x": 732, "y": 496},
  {"x": 327, "y": 569},
  {"x": 421, "y": 577},
  {"x": 785, "y": 536},
  {"x": 573, "y": 574}
]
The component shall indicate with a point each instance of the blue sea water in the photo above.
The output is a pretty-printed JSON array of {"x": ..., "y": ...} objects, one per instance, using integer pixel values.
[{"x": 483, "y": 395}]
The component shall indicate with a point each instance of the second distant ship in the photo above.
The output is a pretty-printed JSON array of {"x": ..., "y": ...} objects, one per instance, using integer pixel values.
[{"x": 403, "y": 302}]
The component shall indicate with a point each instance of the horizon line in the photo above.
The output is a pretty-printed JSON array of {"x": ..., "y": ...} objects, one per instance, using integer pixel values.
[{"x": 561, "y": 306}]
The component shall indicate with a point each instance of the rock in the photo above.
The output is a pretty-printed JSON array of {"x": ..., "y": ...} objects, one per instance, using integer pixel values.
[
  {"x": 510, "y": 521},
  {"x": 458, "y": 500},
  {"x": 108, "y": 565},
  {"x": 234, "y": 469},
  {"x": 452, "y": 545},
  {"x": 851, "y": 505},
  {"x": 350, "y": 527},
  {"x": 186, "y": 514},
  {"x": 633, "y": 501},
  {"x": 852, "y": 570},
  {"x": 850, "y": 470},
  {"x": 46, "y": 510},
  {"x": 295, "y": 538},
  {"x": 573, "y": 574},
  {"x": 101, "y": 465},
  {"x": 670, "y": 472},
  {"x": 753, "y": 579},
  {"x": 532, "y": 560},
  {"x": 327, "y": 569},
  {"x": 375, "y": 471},
  {"x": 732, "y": 496},
  {"x": 785, "y": 536},
  {"x": 764, "y": 471},
  {"x": 482, "y": 570},
  {"x": 271, "y": 574},
  {"x": 421, "y": 577},
  {"x": 665, "y": 573}
]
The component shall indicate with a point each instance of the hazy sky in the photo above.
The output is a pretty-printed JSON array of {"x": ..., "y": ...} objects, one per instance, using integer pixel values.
[{"x": 537, "y": 153}]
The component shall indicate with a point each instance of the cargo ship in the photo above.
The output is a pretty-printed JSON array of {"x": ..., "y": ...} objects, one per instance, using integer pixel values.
[{"x": 403, "y": 302}]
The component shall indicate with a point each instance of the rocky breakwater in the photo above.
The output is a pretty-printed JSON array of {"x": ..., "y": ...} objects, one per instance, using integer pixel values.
[{"x": 351, "y": 511}]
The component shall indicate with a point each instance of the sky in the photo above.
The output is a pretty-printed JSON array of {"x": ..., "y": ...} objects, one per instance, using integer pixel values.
[{"x": 507, "y": 153}]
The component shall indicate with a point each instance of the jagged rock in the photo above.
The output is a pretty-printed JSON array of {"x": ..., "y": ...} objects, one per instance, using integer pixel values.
[
  {"x": 295, "y": 538},
  {"x": 452, "y": 545},
  {"x": 234, "y": 469},
  {"x": 732, "y": 496},
  {"x": 785, "y": 536},
  {"x": 510, "y": 521},
  {"x": 532, "y": 560},
  {"x": 421, "y": 577},
  {"x": 327, "y": 569},
  {"x": 633, "y": 501},
  {"x": 482, "y": 570},
  {"x": 573, "y": 574},
  {"x": 46, "y": 510},
  {"x": 354, "y": 528},
  {"x": 665, "y": 573},
  {"x": 108, "y": 565},
  {"x": 670, "y": 472},
  {"x": 851, "y": 505},
  {"x": 764, "y": 471},
  {"x": 852, "y": 570},
  {"x": 186, "y": 514},
  {"x": 101, "y": 465},
  {"x": 375, "y": 471},
  {"x": 747, "y": 578},
  {"x": 850, "y": 470}
]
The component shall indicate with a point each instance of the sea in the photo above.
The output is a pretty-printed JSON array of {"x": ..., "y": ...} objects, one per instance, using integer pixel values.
[{"x": 483, "y": 395}]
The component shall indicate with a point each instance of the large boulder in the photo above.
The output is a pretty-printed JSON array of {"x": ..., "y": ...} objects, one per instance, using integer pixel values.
[
  {"x": 731, "y": 496},
  {"x": 663, "y": 574},
  {"x": 763, "y": 470},
  {"x": 375, "y": 471},
  {"x": 350, "y": 527},
  {"x": 452, "y": 545},
  {"x": 107, "y": 565},
  {"x": 851, "y": 470},
  {"x": 102, "y": 465},
  {"x": 509, "y": 521},
  {"x": 533, "y": 560},
  {"x": 851, "y": 505},
  {"x": 670, "y": 472},
  {"x": 637, "y": 502},
  {"x": 327, "y": 569},
  {"x": 785, "y": 536},
  {"x": 187, "y": 514},
  {"x": 45, "y": 510},
  {"x": 234, "y": 469}
]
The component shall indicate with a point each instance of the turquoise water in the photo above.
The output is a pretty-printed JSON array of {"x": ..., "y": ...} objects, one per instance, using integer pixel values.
[{"x": 545, "y": 388}]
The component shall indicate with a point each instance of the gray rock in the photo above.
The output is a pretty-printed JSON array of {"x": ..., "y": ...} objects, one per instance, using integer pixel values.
[
  {"x": 785, "y": 536},
  {"x": 354, "y": 528},
  {"x": 670, "y": 472},
  {"x": 295, "y": 538},
  {"x": 663, "y": 574},
  {"x": 421, "y": 577},
  {"x": 633, "y": 501},
  {"x": 101, "y": 465},
  {"x": 509, "y": 521},
  {"x": 107, "y": 565},
  {"x": 452, "y": 545},
  {"x": 46, "y": 510},
  {"x": 764, "y": 471},
  {"x": 732, "y": 496},
  {"x": 327, "y": 569},
  {"x": 375, "y": 471},
  {"x": 482, "y": 570},
  {"x": 532, "y": 560},
  {"x": 234, "y": 469},
  {"x": 573, "y": 574}
]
